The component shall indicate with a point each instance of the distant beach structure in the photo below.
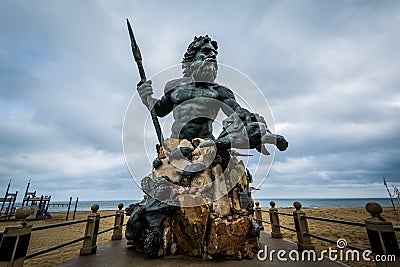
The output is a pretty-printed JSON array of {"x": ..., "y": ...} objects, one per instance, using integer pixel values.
[
  {"x": 39, "y": 204},
  {"x": 8, "y": 203}
]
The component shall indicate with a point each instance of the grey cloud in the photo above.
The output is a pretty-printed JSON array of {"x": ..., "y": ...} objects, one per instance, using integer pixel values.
[{"x": 328, "y": 70}]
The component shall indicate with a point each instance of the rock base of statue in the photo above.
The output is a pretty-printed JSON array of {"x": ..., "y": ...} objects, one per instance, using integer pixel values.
[{"x": 198, "y": 203}]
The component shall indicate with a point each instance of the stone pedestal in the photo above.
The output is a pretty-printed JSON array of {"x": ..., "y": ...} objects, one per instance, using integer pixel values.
[
  {"x": 231, "y": 238},
  {"x": 214, "y": 209}
]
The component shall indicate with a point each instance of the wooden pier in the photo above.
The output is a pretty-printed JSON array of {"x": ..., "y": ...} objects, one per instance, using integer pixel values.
[{"x": 58, "y": 205}]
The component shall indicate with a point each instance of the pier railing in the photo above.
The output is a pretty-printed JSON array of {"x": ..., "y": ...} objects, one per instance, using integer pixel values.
[
  {"x": 14, "y": 240},
  {"x": 380, "y": 231}
]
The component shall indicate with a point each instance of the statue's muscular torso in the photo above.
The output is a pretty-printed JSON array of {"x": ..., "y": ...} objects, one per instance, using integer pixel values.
[{"x": 195, "y": 106}]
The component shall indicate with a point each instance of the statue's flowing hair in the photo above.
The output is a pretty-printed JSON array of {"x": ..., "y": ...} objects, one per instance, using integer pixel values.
[{"x": 193, "y": 48}]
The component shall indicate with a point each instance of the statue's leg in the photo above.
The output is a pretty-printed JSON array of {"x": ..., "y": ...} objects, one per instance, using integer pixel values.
[
  {"x": 152, "y": 242},
  {"x": 136, "y": 224}
]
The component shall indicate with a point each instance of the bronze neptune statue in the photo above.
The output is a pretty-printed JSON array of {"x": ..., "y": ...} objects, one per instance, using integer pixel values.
[{"x": 198, "y": 198}]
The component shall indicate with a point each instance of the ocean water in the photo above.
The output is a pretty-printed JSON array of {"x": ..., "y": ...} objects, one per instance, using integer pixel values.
[
  {"x": 85, "y": 205},
  {"x": 280, "y": 203},
  {"x": 327, "y": 202}
]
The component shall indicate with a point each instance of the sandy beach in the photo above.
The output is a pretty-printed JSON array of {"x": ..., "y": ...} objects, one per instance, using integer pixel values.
[
  {"x": 354, "y": 235},
  {"x": 50, "y": 237}
]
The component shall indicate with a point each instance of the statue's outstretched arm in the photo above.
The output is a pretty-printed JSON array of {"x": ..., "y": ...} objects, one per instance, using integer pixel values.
[{"x": 244, "y": 129}]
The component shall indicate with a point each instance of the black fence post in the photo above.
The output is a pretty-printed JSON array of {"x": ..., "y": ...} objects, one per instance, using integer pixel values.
[
  {"x": 119, "y": 221},
  {"x": 15, "y": 241},
  {"x": 274, "y": 219},
  {"x": 76, "y": 205},
  {"x": 303, "y": 241},
  {"x": 381, "y": 235},
  {"x": 69, "y": 207},
  {"x": 258, "y": 214},
  {"x": 92, "y": 228}
]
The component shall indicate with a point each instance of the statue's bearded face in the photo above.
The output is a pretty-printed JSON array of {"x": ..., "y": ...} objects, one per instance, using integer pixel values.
[
  {"x": 205, "y": 66},
  {"x": 205, "y": 71}
]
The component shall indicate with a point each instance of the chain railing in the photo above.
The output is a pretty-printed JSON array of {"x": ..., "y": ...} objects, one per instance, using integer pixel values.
[
  {"x": 14, "y": 240},
  {"x": 381, "y": 232}
]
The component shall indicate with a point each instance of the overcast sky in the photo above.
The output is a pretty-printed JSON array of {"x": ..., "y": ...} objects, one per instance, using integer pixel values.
[{"x": 329, "y": 70}]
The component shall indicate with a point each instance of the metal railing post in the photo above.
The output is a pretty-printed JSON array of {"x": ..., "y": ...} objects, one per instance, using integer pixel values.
[
  {"x": 92, "y": 228},
  {"x": 381, "y": 235},
  {"x": 15, "y": 241},
  {"x": 119, "y": 221},
  {"x": 274, "y": 219},
  {"x": 258, "y": 215},
  {"x": 303, "y": 241}
]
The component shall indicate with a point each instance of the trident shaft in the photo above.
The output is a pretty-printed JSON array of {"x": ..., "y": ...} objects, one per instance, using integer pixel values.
[{"x": 138, "y": 58}]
